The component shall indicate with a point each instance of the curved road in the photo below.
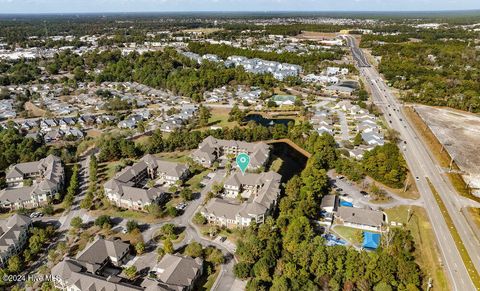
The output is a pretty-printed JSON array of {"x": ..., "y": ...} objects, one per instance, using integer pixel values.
[{"x": 423, "y": 166}]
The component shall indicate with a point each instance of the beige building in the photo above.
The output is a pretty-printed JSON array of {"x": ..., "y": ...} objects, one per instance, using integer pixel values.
[
  {"x": 13, "y": 236},
  {"x": 45, "y": 179},
  {"x": 128, "y": 188},
  {"x": 360, "y": 218},
  {"x": 176, "y": 272},
  {"x": 92, "y": 268},
  {"x": 259, "y": 193},
  {"x": 212, "y": 149}
]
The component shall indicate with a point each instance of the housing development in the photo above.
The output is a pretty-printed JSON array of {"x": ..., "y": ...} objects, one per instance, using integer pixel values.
[{"x": 239, "y": 151}]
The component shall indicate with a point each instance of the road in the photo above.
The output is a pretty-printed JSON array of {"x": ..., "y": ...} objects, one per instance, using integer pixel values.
[
  {"x": 83, "y": 179},
  {"x": 423, "y": 166},
  {"x": 226, "y": 280}
]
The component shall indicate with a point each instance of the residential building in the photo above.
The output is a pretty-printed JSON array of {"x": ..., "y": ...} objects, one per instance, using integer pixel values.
[
  {"x": 360, "y": 218},
  {"x": 329, "y": 203},
  {"x": 127, "y": 189},
  {"x": 45, "y": 179},
  {"x": 177, "y": 272},
  {"x": 94, "y": 268},
  {"x": 13, "y": 236},
  {"x": 259, "y": 195},
  {"x": 211, "y": 150}
]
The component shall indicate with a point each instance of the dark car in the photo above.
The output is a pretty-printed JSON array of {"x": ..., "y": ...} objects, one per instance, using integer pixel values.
[{"x": 363, "y": 193}]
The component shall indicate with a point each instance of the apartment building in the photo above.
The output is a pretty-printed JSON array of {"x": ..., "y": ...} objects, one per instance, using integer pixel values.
[
  {"x": 13, "y": 236},
  {"x": 259, "y": 195},
  {"x": 128, "y": 188},
  {"x": 212, "y": 149},
  {"x": 32, "y": 184}
]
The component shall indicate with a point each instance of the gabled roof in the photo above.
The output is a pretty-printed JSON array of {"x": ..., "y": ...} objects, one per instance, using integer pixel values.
[
  {"x": 73, "y": 273},
  {"x": 360, "y": 216},
  {"x": 101, "y": 249},
  {"x": 177, "y": 270}
]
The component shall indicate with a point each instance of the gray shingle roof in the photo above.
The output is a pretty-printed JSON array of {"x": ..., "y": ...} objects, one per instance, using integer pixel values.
[
  {"x": 178, "y": 270},
  {"x": 360, "y": 216}
]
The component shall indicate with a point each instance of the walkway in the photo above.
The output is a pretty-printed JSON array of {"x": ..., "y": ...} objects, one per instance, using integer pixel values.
[{"x": 292, "y": 144}]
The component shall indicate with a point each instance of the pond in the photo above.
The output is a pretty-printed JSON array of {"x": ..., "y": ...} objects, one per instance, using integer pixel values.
[
  {"x": 266, "y": 121},
  {"x": 293, "y": 161}
]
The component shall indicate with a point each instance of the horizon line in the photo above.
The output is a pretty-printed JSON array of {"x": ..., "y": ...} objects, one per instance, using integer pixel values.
[{"x": 242, "y": 12}]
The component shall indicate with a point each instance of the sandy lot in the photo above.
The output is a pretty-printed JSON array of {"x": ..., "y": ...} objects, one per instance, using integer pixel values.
[
  {"x": 459, "y": 132},
  {"x": 313, "y": 35}
]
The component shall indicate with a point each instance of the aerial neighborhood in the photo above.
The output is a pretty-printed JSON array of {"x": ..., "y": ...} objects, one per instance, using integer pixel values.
[{"x": 239, "y": 151}]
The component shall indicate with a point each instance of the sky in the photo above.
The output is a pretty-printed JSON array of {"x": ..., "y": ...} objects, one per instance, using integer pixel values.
[{"x": 92, "y": 6}]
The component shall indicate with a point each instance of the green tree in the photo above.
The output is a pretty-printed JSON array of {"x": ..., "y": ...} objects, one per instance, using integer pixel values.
[
  {"x": 160, "y": 253},
  {"x": 186, "y": 194},
  {"x": 168, "y": 246},
  {"x": 132, "y": 225},
  {"x": 140, "y": 248},
  {"x": 130, "y": 272},
  {"x": 47, "y": 209},
  {"x": 103, "y": 220},
  {"x": 14, "y": 265},
  {"x": 194, "y": 249},
  {"x": 358, "y": 140},
  {"x": 76, "y": 222},
  {"x": 199, "y": 219},
  {"x": 242, "y": 270},
  {"x": 204, "y": 115}
]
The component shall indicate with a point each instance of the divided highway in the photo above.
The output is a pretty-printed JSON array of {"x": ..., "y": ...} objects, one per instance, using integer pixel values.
[{"x": 423, "y": 167}]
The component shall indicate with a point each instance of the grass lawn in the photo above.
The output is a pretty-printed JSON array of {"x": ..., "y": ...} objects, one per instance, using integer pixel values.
[
  {"x": 347, "y": 233},
  {"x": 143, "y": 140},
  {"x": 6, "y": 214},
  {"x": 179, "y": 156},
  {"x": 127, "y": 214},
  {"x": 475, "y": 214},
  {"x": 426, "y": 251},
  {"x": 206, "y": 281},
  {"x": 176, "y": 238},
  {"x": 440, "y": 155},
  {"x": 411, "y": 193},
  {"x": 174, "y": 201},
  {"x": 220, "y": 118},
  {"x": 194, "y": 182},
  {"x": 106, "y": 171},
  {"x": 211, "y": 279}
]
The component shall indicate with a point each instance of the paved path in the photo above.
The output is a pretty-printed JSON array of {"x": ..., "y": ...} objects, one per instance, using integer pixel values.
[
  {"x": 344, "y": 125},
  {"x": 353, "y": 192},
  {"x": 226, "y": 279}
]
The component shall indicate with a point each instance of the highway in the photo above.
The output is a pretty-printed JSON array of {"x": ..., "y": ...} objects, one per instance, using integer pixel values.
[{"x": 423, "y": 166}]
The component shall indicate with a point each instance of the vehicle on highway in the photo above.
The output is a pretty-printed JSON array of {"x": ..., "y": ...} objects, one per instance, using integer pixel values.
[{"x": 417, "y": 178}]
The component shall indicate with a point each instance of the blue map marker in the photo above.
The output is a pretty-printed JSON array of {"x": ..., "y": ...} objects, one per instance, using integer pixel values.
[{"x": 242, "y": 162}]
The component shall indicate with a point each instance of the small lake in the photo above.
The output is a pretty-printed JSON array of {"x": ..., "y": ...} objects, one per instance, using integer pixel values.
[{"x": 266, "y": 121}]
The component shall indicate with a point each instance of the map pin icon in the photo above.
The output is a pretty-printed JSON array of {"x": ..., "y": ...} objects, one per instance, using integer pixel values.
[{"x": 243, "y": 160}]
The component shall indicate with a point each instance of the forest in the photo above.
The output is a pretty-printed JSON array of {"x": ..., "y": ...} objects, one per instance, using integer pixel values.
[
  {"x": 440, "y": 72},
  {"x": 286, "y": 253}
]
